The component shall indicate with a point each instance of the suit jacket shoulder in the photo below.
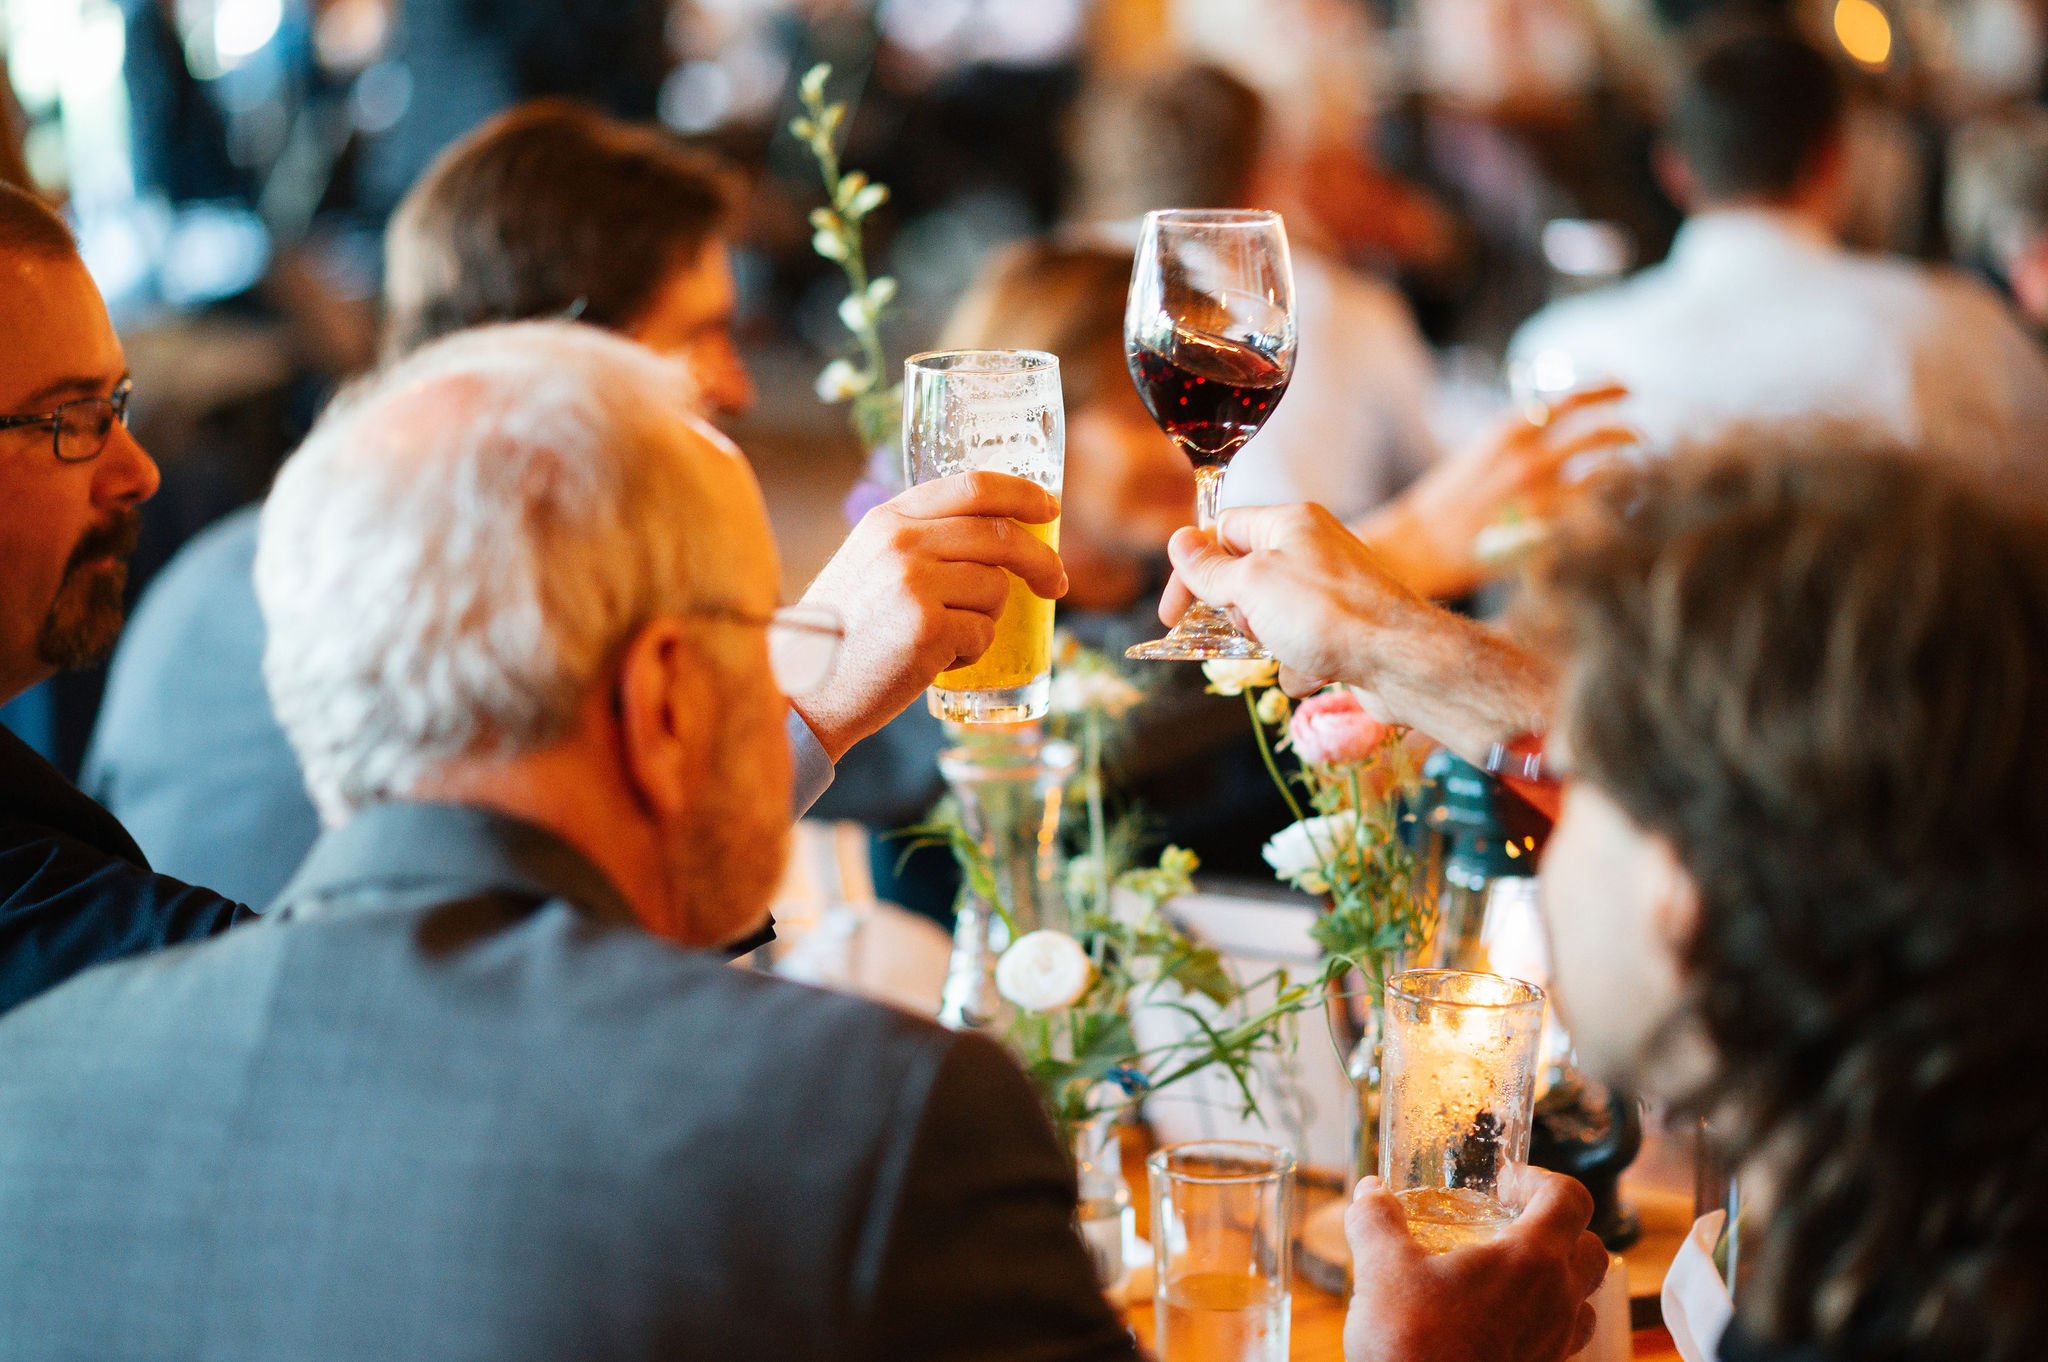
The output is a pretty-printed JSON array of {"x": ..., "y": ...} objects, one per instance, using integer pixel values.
[{"x": 492, "y": 1129}]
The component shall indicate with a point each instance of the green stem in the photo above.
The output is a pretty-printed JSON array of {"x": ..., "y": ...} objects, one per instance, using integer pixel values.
[
  {"x": 1098, "y": 831},
  {"x": 1251, "y": 705}
]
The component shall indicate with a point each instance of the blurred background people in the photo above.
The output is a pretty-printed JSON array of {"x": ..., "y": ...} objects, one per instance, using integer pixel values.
[
  {"x": 1997, "y": 207},
  {"x": 550, "y": 210},
  {"x": 1760, "y": 315}
]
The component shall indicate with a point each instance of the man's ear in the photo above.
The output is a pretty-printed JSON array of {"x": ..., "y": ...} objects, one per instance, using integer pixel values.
[
  {"x": 1674, "y": 176},
  {"x": 664, "y": 707}
]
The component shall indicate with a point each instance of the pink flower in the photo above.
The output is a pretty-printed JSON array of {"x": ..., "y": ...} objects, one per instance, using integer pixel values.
[{"x": 1333, "y": 729}]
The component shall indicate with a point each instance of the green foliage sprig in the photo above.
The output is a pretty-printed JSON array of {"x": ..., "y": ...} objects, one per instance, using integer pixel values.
[{"x": 836, "y": 234}]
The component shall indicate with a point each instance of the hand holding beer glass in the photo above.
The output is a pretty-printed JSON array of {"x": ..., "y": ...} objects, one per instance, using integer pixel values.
[
  {"x": 995, "y": 411},
  {"x": 1457, "y": 1098}
]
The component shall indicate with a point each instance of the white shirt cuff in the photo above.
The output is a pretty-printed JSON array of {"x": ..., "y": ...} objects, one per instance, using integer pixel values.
[{"x": 812, "y": 769}]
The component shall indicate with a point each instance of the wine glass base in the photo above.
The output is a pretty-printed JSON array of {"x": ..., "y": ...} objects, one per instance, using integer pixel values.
[{"x": 1203, "y": 635}]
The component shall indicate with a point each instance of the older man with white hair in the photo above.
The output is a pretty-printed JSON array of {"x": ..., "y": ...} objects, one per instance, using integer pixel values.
[{"x": 468, "y": 1091}]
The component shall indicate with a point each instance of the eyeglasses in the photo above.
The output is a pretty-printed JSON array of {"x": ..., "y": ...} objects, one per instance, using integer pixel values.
[
  {"x": 79, "y": 430},
  {"x": 803, "y": 641}
]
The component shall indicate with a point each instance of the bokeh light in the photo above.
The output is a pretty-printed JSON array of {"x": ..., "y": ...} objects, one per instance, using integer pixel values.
[{"x": 1864, "y": 32}]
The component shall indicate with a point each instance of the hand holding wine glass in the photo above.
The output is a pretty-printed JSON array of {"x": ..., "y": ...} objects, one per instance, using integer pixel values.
[{"x": 1209, "y": 336}]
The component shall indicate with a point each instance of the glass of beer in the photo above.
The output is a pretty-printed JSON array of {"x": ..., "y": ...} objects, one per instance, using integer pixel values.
[
  {"x": 1457, "y": 1097},
  {"x": 997, "y": 411},
  {"x": 1222, "y": 1226}
]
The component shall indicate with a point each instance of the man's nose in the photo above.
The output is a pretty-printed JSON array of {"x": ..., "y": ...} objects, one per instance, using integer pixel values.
[{"x": 124, "y": 474}]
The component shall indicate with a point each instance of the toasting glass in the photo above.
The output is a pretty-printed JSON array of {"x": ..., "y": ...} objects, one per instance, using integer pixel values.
[{"x": 1209, "y": 337}]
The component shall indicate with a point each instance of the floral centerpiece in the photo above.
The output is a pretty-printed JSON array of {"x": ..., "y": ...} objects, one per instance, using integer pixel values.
[
  {"x": 1350, "y": 792},
  {"x": 1072, "y": 988}
]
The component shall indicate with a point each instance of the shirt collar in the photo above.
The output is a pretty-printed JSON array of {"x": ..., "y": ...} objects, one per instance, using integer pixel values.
[
  {"x": 1715, "y": 240},
  {"x": 419, "y": 851}
]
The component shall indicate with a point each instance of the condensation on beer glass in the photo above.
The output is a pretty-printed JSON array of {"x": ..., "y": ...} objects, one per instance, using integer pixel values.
[
  {"x": 1457, "y": 1098},
  {"x": 998, "y": 411}
]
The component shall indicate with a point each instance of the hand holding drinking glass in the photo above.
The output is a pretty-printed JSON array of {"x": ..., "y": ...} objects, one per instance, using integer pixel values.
[
  {"x": 992, "y": 411},
  {"x": 1209, "y": 336}
]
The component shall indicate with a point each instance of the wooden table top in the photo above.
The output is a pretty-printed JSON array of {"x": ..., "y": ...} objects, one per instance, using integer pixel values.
[{"x": 1317, "y": 1332}]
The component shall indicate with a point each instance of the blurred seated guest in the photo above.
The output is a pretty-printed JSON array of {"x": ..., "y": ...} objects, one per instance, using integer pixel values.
[
  {"x": 551, "y": 210},
  {"x": 1801, "y": 690},
  {"x": 1998, "y": 206},
  {"x": 75, "y": 890},
  {"x": 475, "y": 1088},
  {"x": 1759, "y": 315},
  {"x": 1352, "y": 430}
]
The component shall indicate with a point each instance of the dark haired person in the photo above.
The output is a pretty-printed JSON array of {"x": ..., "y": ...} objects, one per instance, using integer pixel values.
[
  {"x": 1759, "y": 314},
  {"x": 550, "y": 210},
  {"x": 1801, "y": 691},
  {"x": 74, "y": 888}
]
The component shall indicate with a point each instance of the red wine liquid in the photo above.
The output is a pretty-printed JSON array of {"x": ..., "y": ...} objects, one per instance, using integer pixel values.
[{"x": 1211, "y": 394}]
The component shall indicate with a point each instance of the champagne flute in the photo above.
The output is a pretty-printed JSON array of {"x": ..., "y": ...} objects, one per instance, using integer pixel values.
[{"x": 1209, "y": 337}]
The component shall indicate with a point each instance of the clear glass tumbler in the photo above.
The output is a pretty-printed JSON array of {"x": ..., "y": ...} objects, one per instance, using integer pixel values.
[
  {"x": 1457, "y": 1095},
  {"x": 998, "y": 411},
  {"x": 1222, "y": 1226}
]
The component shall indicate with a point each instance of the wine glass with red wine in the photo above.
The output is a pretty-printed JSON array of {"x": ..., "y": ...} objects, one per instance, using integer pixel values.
[{"x": 1209, "y": 336}]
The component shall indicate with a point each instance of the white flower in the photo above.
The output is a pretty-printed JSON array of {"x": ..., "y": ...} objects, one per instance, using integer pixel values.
[
  {"x": 1299, "y": 851},
  {"x": 1043, "y": 971},
  {"x": 838, "y": 381},
  {"x": 855, "y": 313},
  {"x": 1233, "y": 677},
  {"x": 1076, "y": 692}
]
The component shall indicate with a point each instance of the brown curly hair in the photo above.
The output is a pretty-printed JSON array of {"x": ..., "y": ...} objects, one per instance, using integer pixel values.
[{"x": 1819, "y": 667}]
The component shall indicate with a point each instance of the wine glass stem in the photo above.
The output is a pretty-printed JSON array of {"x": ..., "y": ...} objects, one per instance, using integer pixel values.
[{"x": 1208, "y": 491}]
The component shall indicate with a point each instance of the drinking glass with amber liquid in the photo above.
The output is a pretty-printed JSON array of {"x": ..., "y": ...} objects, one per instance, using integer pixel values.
[
  {"x": 1457, "y": 1097},
  {"x": 996, "y": 411}
]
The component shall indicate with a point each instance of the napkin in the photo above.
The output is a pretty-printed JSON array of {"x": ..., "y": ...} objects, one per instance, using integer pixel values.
[{"x": 1697, "y": 1306}]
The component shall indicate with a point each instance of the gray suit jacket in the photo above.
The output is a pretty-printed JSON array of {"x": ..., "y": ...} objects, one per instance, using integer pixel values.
[{"x": 447, "y": 1101}]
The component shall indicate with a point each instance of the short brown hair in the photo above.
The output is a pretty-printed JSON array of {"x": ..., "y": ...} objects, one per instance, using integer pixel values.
[
  {"x": 549, "y": 210},
  {"x": 1818, "y": 666},
  {"x": 27, "y": 224}
]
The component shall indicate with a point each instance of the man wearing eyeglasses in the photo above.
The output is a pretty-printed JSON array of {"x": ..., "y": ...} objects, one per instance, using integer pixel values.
[{"x": 74, "y": 888}]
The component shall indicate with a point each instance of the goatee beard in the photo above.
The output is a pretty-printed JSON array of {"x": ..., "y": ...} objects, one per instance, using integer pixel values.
[{"x": 85, "y": 618}]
